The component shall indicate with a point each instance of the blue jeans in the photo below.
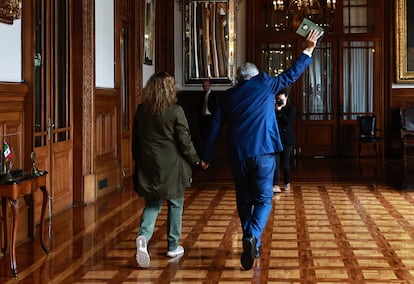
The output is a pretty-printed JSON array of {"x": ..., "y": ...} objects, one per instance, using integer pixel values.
[
  {"x": 254, "y": 180},
  {"x": 149, "y": 217}
]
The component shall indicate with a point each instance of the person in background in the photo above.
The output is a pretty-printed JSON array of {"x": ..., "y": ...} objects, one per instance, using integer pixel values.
[
  {"x": 164, "y": 153},
  {"x": 285, "y": 113},
  {"x": 253, "y": 139},
  {"x": 207, "y": 109}
]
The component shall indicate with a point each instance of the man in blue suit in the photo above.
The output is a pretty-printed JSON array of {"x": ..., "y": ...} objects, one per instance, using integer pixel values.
[{"x": 253, "y": 140}]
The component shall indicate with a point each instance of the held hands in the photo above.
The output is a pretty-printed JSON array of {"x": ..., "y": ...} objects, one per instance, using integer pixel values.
[{"x": 203, "y": 165}]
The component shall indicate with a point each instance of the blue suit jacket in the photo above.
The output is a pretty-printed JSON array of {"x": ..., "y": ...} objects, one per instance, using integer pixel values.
[{"x": 248, "y": 108}]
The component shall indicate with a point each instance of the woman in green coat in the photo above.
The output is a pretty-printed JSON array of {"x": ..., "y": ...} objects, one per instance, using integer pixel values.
[{"x": 164, "y": 154}]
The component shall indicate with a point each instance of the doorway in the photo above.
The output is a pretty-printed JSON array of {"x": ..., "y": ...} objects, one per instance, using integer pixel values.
[
  {"x": 53, "y": 141},
  {"x": 326, "y": 114},
  {"x": 345, "y": 79}
]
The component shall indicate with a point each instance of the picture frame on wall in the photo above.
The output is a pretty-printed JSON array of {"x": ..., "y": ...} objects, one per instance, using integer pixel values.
[
  {"x": 404, "y": 41},
  {"x": 149, "y": 29}
]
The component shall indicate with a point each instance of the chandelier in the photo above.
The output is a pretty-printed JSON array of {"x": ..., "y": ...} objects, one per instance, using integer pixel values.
[
  {"x": 287, "y": 14},
  {"x": 10, "y": 10}
]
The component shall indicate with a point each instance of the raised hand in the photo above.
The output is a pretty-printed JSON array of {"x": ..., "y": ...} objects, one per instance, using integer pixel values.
[{"x": 311, "y": 40}]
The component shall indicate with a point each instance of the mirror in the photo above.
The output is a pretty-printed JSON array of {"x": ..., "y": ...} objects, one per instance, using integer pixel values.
[{"x": 209, "y": 41}]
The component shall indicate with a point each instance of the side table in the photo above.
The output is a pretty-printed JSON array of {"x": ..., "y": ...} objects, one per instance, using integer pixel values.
[{"x": 25, "y": 184}]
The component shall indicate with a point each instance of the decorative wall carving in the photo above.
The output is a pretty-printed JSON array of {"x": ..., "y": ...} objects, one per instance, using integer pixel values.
[{"x": 88, "y": 95}]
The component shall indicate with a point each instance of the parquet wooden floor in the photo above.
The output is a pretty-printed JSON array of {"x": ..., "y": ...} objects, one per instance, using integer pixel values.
[{"x": 340, "y": 230}]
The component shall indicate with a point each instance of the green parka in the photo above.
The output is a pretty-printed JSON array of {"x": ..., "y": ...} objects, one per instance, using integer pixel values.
[{"x": 163, "y": 152}]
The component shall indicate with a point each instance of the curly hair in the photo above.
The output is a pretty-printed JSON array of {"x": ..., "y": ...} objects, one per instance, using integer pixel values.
[{"x": 160, "y": 93}]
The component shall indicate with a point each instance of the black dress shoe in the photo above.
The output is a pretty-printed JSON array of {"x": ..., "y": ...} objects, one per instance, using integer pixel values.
[
  {"x": 258, "y": 253},
  {"x": 249, "y": 252}
]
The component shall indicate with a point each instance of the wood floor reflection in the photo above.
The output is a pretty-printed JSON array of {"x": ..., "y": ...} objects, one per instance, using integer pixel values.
[{"x": 341, "y": 222}]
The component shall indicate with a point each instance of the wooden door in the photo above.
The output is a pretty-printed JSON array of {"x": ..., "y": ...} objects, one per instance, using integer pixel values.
[
  {"x": 329, "y": 98},
  {"x": 332, "y": 97},
  {"x": 53, "y": 101},
  {"x": 317, "y": 122},
  {"x": 346, "y": 77}
]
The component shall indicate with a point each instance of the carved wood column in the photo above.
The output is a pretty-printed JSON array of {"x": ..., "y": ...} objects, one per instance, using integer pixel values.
[
  {"x": 88, "y": 114},
  {"x": 83, "y": 90},
  {"x": 138, "y": 49}
]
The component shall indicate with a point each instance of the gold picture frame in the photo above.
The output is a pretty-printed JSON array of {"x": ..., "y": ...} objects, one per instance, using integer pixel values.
[
  {"x": 149, "y": 28},
  {"x": 404, "y": 41}
]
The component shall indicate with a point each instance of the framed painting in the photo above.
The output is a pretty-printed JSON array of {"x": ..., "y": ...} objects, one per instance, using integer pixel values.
[
  {"x": 404, "y": 41},
  {"x": 149, "y": 31}
]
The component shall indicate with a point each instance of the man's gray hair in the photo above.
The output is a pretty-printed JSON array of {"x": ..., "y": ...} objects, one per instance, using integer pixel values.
[{"x": 246, "y": 71}]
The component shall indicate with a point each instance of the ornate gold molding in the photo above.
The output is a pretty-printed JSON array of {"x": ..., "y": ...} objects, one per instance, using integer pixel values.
[
  {"x": 10, "y": 10},
  {"x": 181, "y": 3},
  {"x": 404, "y": 54}
]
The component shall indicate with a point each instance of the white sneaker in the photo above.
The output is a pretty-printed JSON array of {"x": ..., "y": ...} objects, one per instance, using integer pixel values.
[
  {"x": 287, "y": 186},
  {"x": 276, "y": 189},
  {"x": 142, "y": 256},
  {"x": 179, "y": 250}
]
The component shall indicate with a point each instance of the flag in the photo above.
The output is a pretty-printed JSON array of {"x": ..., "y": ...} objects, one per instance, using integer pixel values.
[{"x": 7, "y": 151}]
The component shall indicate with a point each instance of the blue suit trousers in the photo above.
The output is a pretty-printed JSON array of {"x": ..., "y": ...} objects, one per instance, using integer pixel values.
[{"x": 254, "y": 180}]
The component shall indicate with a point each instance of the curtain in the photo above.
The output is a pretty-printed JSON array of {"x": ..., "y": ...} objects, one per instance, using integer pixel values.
[
  {"x": 358, "y": 70},
  {"x": 316, "y": 87}
]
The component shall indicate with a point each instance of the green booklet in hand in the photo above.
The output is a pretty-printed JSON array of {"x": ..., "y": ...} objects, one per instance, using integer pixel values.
[{"x": 306, "y": 26}]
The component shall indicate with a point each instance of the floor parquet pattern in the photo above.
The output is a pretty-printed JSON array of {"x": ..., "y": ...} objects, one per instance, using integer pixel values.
[{"x": 327, "y": 232}]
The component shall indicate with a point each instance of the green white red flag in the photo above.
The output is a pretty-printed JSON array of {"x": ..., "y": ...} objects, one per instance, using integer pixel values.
[{"x": 7, "y": 151}]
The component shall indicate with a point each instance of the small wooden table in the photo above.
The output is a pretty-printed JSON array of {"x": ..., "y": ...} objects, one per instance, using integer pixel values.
[{"x": 26, "y": 184}]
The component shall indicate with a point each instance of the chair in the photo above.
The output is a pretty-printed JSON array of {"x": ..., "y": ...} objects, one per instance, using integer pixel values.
[
  {"x": 407, "y": 128},
  {"x": 367, "y": 134}
]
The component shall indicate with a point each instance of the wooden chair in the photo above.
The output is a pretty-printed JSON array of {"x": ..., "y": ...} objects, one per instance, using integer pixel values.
[
  {"x": 407, "y": 128},
  {"x": 367, "y": 134}
]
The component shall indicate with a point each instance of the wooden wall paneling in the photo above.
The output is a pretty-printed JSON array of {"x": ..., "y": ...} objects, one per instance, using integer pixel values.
[
  {"x": 138, "y": 40},
  {"x": 389, "y": 60},
  {"x": 62, "y": 192},
  {"x": 88, "y": 102},
  {"x": 399, "y": 97},
  {"x": 251, "y": 23},
  {"x": 164, "y": 36},
  {"x": 11, "y": 132},
  {"x": 126, "y": 157},
  {"x": 83, "y": 92},
  {"x": 138, "y": 51},
  {"x": 314, "y": 143},
  {"x": 77, "y": 95},
  {"x": 121, "y": 16},
  {"x": 191, "y": 102},
  {"x": 12, "y": 105},
  {"x": 28, "y": 50},
  {"x": 127, "y": 14},
  {"x": 108, "y": 168},
  {"x": 126, "y": 10},
  {"x": 12, "y": 102},
  {"x": 136, "y": 68}
]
